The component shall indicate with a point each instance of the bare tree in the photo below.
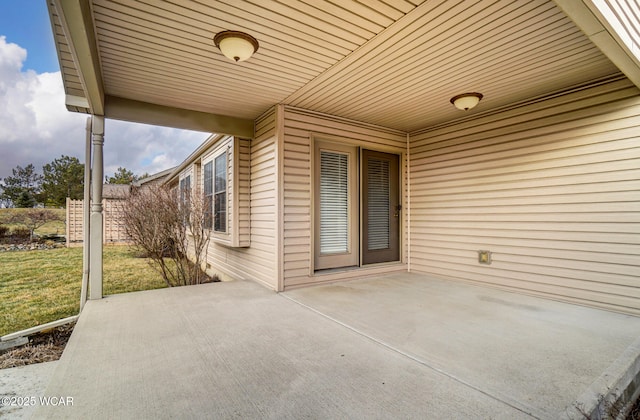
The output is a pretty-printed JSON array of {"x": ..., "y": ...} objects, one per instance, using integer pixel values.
[
  {"x": 35, "y": 218},
  {"x": 170, "y": 231}
]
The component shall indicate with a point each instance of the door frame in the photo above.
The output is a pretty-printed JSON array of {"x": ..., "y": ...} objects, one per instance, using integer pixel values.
[
  {"x": 391, "y": 254},
  {"x": 359, "y": 144},
  {"x": 351, "y": 258}
]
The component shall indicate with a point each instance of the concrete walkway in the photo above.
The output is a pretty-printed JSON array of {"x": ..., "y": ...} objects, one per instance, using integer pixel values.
[
  {"x": 403, "y": 346},
  {"x": 23, "y": 386}
]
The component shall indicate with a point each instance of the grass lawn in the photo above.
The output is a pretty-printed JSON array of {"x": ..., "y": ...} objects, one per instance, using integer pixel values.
[{"x": 42, "y": 286}]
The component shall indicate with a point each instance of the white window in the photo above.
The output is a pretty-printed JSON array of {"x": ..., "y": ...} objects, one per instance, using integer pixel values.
[
  {"x": 208, "y": 194},
  {"x": 185, "y": 188},
  {"x": 225, "y": 184},
  {"x": 220, "y": 193}
]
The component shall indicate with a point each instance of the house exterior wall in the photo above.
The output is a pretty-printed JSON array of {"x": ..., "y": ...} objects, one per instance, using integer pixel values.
[
  {"x": 552, "y": 189},
  {"x": 251, "y": 193},
  {"x": 300, "y": 129}
]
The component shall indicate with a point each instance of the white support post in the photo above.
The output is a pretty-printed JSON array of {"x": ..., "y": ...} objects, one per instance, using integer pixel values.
[
  {"x": 86, "y": 214},
  {"x": 96, "y": 226}
]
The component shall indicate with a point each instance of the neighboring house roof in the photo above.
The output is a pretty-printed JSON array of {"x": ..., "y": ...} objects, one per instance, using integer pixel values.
[
  {"x": 391, "y": 64},
  {"x": 116, "y": 191},
  {"x": 157, "y": 177}
]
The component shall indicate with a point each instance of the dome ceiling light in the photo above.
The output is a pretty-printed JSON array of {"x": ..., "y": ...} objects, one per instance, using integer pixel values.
[
  {"x": 466, "y": 101},
  {"x": 235, "y": 45}
]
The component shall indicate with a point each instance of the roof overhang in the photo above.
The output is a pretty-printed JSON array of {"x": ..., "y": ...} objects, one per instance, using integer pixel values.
[
  {"x": 611, "y": 29},
  {"x": 75, "y": 19},
  {"x": 395, "y": 64},
  {"x": 77, "y": 23}
]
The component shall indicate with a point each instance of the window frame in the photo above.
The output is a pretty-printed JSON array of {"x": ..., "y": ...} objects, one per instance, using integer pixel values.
[
  {"x": 184, "y": 191},
  {"x": 207, "y": 181},
  {"x": 184, "y": 187},
  {"x": 351, "y": 256},
  {"x": 220, "y": 195},
  {"x": 235, "y": 195}
]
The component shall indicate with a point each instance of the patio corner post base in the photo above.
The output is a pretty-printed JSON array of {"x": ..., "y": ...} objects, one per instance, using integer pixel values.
[{"x": 96, "y": 234}]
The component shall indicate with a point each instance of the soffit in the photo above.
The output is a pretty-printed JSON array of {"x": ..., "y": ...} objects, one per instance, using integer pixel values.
[
  {"x": 162, "y": 51},
  {"x": 393, "y": 63},
  {"x": 71, "y": 80}
]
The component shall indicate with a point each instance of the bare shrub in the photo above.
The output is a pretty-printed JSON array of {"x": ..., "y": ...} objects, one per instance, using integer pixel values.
[
  {"x": 20, "y": 235},
  {"x": 170, "y": 232},
  {"x": 35, "y": 218}
]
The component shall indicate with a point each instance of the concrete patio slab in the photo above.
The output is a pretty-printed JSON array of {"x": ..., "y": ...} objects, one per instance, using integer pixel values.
[
  {"x": 536, "y": 354},
  {"x": 236, "y": 350},
  {"x": 21, "y": 387}
]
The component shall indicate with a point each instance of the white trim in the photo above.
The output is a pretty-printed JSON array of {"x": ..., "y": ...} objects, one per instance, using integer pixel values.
[{"x": 408, "y": 210}]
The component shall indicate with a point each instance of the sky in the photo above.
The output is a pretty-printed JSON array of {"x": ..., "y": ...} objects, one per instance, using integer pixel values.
[{"x": 35, "y": 126}]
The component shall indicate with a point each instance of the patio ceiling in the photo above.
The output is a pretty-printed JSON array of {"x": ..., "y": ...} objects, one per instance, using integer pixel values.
[{"x": 394, "y": 63}]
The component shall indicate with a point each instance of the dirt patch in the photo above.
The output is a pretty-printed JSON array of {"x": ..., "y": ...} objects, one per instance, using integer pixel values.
[{"x": 46, "y": 346}]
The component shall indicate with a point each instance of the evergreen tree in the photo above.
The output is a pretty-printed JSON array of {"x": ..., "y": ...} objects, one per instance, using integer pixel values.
[
  {"x": 25, "y": 200},
  {"x": 122, "y": 176},
  {"x": 64, "y": 177},
  {"x": 23, "y": 180}
]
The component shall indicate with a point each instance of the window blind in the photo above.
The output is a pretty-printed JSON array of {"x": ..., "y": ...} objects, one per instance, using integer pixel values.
[
  {"x": 378, "y": 204},
  {"x": 334, "y": 202}
]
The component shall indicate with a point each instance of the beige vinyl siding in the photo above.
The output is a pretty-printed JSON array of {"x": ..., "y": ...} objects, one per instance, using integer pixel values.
[
  {"x": 257, "y": 262},
  {"x": 242, "y": 192},
  {"x": 552, "y": 189},
  {"x": 300, "y": 127}
]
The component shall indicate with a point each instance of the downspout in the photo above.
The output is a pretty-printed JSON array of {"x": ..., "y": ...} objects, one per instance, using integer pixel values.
[
  {"x": 86, "y": 246},
  {"x": 408, "y": 204}
]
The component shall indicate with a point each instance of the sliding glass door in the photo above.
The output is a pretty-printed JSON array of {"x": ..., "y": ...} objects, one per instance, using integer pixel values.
[
  {"x": 356, "y": 195},
  {"x": 380, "y": 207},
  {"x": 336, "y": 206}
]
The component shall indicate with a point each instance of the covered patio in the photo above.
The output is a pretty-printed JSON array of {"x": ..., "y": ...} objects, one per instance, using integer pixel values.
[
  {"x": 535, "y": 191},
  {"x": 396, "y": 346}
]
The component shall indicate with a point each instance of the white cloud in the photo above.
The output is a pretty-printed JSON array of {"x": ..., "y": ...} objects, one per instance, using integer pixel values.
[{"x": 35, "y": 126}]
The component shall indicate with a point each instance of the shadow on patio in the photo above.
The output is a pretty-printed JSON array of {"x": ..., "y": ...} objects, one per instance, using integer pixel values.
[{"x": 400, "y": 346}]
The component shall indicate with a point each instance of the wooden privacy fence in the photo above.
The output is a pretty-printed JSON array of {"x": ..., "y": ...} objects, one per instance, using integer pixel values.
[{"x": 113, "y": 223}]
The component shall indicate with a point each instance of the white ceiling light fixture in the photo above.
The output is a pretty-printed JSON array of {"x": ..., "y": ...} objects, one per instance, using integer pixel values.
[
  {"x": 466, "y": 101},
  {"x": 236, "y": 45}
]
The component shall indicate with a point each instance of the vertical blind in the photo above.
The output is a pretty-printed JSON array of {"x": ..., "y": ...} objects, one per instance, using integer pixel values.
[
  {"x": 378, "y": 210},
  {"x": 334, "y": 202}
]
